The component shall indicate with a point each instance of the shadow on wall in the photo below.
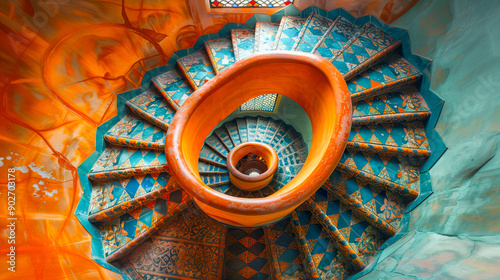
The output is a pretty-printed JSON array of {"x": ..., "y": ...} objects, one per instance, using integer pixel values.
[{"x": 454, "y": 233}]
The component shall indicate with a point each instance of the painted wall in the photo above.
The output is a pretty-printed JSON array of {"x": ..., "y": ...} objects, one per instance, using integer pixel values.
[{"x": 454, "y": 234}]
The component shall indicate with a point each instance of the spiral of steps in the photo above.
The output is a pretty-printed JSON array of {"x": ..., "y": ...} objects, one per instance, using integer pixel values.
[{"x": 151, "y": 228}]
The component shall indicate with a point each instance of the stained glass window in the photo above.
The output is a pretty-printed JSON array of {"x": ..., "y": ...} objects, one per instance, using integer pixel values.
[
  {"x": 265, "y": 102},
  {"x": 249, "y": 4}
]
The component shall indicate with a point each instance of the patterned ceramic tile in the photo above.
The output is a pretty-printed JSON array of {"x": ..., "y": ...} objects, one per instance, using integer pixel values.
[
  {"x": 197, "y": 68},
  {"x": 205, "y": 167},
  {"x": 272, "y": 129},
  {"x": 336, "y": 38},
  {"x": 393, "y": 72},
  {"x": 220, "y": 52},
  {"x": 311, "y": 34},
  {"x": 328, "y": 261},
  {"x": 119, "y": 232},
  {"x": 122, "y": 192},
  {"x": 209, "y": 155},
  {"x": 118, "y": 162},
  {"x": 246, "y": 254},
  {"x": 407, "y": 135},
  {"x": 215, "y": 180},
  {"x": 223, "y": 135},
  {"x": 249, "y": 3},
  {"x": 232, "y": 129},
  {"x": 151, "y": 106},
  {"x": 242, "y": 129},
  {"x": 265, "y": 36},
  {"x": 243, "y": 43},
  {"x": 217, "y": 145},
  {"x": 190, "y": 247},
  {"x": 174, "y": 87},
  {"x": 134, "y": 132},
  {"x": 261, "y": 129},
  {"x": 265, "y": 102},
  {"x": 251, "y": 128},
  {"x": 285, "y": 251},
  {"x": 364, "y": 50},
  {"x": 288, "y": 33}
]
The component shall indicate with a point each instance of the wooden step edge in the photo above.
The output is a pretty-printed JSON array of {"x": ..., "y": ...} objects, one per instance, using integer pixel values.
[{"x": 133, "y": 143}]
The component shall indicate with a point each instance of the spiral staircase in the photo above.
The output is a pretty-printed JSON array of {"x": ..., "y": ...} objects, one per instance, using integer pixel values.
[{"x": 153, "y": 224}]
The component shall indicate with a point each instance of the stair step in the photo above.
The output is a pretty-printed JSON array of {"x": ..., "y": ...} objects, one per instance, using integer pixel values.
[
  {"x": 322, "y": 259},
  {"x": 392, "y": 73},
  {"x": 366, "y": 49},
  {"x": 152, "y": 107},
  {"x": 290, "y": 136},
  {"x": 246, "y": 250},
  {"x": 119, "y": 162},
  {"x": 406, "y": 104},
  {"x": 406, "y": 138},
  {"x": 385, "y": 206},
  {"x": 242, "y": 129},
  {"x": 215, "y": 180},
  {"x": 113, "y": 198},
  {"x": 311, "y": 34},
  {"x": 286, "y": 259},
  {"x": 217, "y": 145},
  {"x": 243, "y": 43},
  {"x": 336, "y": 38},
  {"x": 121, "y": 235},
  {"x": 192, "y": 232},
  {"x": 260, "y": 133},
  {"x": 288, "y": 32},
  {"x": 340, "y": 225},
  {"x": 220, "y": 52},
  {"x": 232, "y": 129},
  {"x": 174, "y": 87},
  {"x": 204, "y": 167},
  {"x": 134, "y": 132},
  {"x": 197, "y": 68},
  {"x": 392, "y": 173},
  {"x": 223, "y": 135},
  {"x": 265, "y": 36},
  {"x": 210, "y": 156},
  {"x": 272, "y": 129}
]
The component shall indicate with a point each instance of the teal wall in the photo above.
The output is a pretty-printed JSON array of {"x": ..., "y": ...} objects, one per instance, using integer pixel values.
[{"x": 455, "y": 233}]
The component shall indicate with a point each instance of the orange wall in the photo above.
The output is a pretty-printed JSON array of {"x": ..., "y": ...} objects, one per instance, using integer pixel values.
[{"x": 62, "y": 65}]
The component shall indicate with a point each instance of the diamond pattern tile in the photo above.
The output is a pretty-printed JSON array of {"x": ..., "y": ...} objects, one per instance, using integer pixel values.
[
  {"x": 265, "y": 36},
  {"x": 197, "y": 68},
  {"x": 134, "y": 132},
  {"x": 174, "y": 87},
  {"x": 243, "y": 42},
  {"x": 246, "y": 254},
  {"x": 288, "y": 33},
  {"x": 314, "y": 29},
  {"x": 220, "y": 52},
  {"x": 152, "y": 107},
  {"x": 335, "y": 40}
]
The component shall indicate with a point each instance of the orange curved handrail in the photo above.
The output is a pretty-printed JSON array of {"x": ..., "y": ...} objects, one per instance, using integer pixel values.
[{"x": 313, "y": 82}]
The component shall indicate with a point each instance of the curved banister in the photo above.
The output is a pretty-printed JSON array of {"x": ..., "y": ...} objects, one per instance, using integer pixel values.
[{"x": 311, "y": 81}]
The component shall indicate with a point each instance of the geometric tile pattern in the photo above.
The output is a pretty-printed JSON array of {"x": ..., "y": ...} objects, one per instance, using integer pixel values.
[
  {"x": 151, "y": 106},
  {"x": 265, "y": 36},
  {"x": 221, "y": 53},
  {"x": 336, "y": 38},
  {"x": 246, "y": 254},
  {"x": 120, "y": 162},
  {"x": 265, "y": 102},
  {"x": 288, "y": 33},
  {"x": 285, "y": 250},
  {"x": 393, "y": 72},
  {"x": 132, "y": 131},
  {"x": 243, "y": 42},
  {"x": 197, "y": 68},
  {"x": 122, "y": 230},
  {"x": 174, "y": 87},
  {"x": 191, "y": 246},
  {"x": 371, "y": 42},
  {"x": 312, "y": 32},
  {"x": 249, "y": 4}
]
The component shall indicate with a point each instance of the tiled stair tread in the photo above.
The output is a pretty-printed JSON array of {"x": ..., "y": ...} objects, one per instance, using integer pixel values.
[
  {"x": 327, "y": 260},
  {"x": 295, "y": 146},
  {"x": 336, "y": 38},
  {"x": 265, "y": 36},
  {"x": 246, "y": 248},
  {"x": 404, "y": 100},
  {"x": 223, "y": 135},
  {"x": 119, "y": 162},
  {"x": 341, "y": 237},
  {"x": 152, "y": 107},
  {"x": 197, "y": 68},
  {"x": 364, "y": 50},
  {"x": 251, "y": 128},
  {"x": 351, "y": 225},
  {"x": 242, "y": 129},
  {"x": 191, "y": 230},
  {"x": 215, "y": 180},
  {"x": 119, "y": 233},
  {"x": 260, "y": 132},
  {"x": 134, "y": 132},
  {"x": 217, "y": 145},
  {"x": 205, "y": 167},
  {"x": 112, "y": 198},
  {"x": 288, "y": 32},
  {"x": 312, "y": 32},
  {"x": 405, "y": 135},
  {"x": 220, "y": 52},
  {"x": 380, "y": 202},
  {"x": 232, "y": 129},
  {"x": 393, "y": 72},
  {"x": 173, "y": 86},
  {"x": 284, "y": 249},
  {"x": 210, "y": 156},
  {"x": 243, "y": 43}
]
